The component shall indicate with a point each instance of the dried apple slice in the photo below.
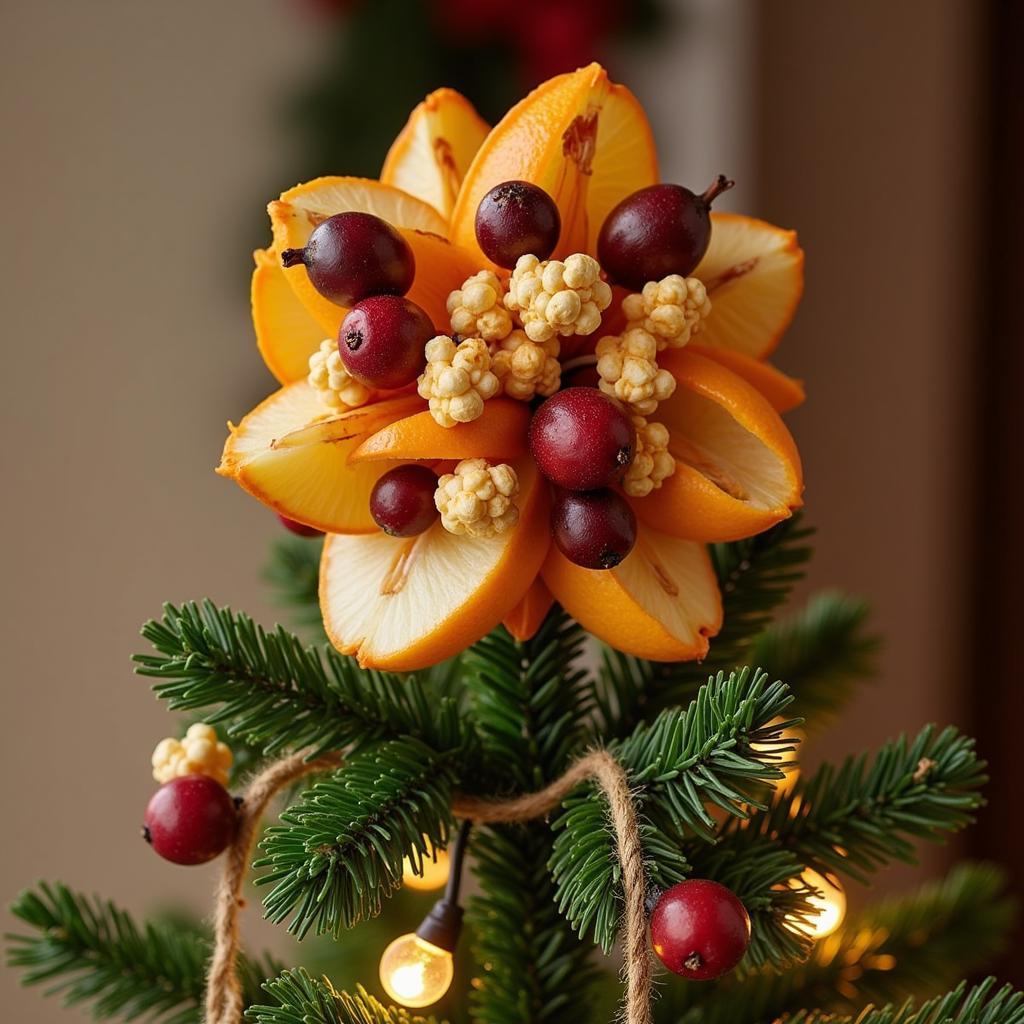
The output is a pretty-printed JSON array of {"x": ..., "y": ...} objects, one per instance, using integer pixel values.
[
  {"x": 404, "y": 603},
  {"x": 551, "y": 138},
  {"x": 662, "y": 601},
  {"x": 784, "y": 393},
  {"x": 737, "y": 472},
  {"x": 294, "y": 459},
  {"x": 499, "y": 433},
  {"x": 286, "y": 334},
  {"x": 754, "y": 274},
  {"x": 525, "y": 619},
  {"x": 439, "y": 266},
  {"x": 431, "y": 154}
]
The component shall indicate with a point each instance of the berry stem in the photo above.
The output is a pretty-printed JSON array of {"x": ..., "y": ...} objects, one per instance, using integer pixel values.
[
  {"x": 574, "y": 364},
  {"x": 293, "y": 257},
  {"x": 716, "y": 188}
]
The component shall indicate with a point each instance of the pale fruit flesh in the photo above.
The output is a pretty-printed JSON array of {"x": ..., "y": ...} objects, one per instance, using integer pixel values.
[
  {"x": 404, "y": 603},
  {"x": 661, "y": 602}
]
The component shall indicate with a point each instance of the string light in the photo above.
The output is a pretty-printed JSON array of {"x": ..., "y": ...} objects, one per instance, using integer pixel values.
[
  {"x": 831, "y": 904},
  {"x": 432, "y": 873},
  {"x": 791, "y": 736},
  {"x": 416, "y": 969}
]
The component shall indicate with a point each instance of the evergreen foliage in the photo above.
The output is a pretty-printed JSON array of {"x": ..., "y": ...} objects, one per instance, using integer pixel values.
[
  {"x": 94, "y": 954},
  {"x": 302, "y": 999},
  {"x": 275, "y": 691},
  {"x": 293, "y": 573},
  {"x": 338, "y": 851},
  {"x": 919, "y": 944}
]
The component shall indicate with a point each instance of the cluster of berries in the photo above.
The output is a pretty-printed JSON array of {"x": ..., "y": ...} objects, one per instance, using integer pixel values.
[{"x": 592, "y": 442}]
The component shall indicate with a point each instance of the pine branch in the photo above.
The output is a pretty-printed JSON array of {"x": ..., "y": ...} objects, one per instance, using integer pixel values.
[
  {"x": 93, "y": 953},
  {"x": 338, "y": 852},
  {"x": 302, "y": 999},
  {"x": 293, "y": 572},
  {"x": 755, "y": 577},
  {"x": 854, "y": 820},
  {"x": 908, "y": 946},
  {"x": 722, "y": 751},
  {"x": 272, "y": 690},
  {"x": 982, "y": 1004},
  {"x": 822, "y": 652},
  {"x": 529, "y": 702},
  {"x": 861, "y": 816}
]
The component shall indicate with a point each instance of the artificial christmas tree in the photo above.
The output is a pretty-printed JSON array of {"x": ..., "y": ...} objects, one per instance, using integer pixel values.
[{"x": 487, "y": 506}]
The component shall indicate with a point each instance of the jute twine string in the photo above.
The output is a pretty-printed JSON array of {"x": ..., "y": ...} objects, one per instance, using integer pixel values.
[{"x": 224, "y": 994}]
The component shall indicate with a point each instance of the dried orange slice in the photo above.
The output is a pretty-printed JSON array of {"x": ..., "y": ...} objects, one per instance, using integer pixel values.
[
  {"x": 524, "y": 620},
  {"x": 499, "y": 433},
  {"x": 439, "y": 268},
  {"x": 662, "y": 601},
  {"x": 292, "y": 457},
  {"x": 286, "y": 334},
  {"x": 782, "y": 391},
  {"x": 737, "y": 472},
  {"x": 431, "y": 154},
  {"x": 552, "y": 138},
  {"x": 625, "y": 159},
  {"x": 404, "y": 603},
  {"x": 754, "y": 274}
]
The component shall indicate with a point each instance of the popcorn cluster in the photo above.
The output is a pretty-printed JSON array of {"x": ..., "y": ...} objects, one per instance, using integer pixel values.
[
  {"x": 527, "y": 368},
  {"x": 477, "y": 499},
  {"x": 198, "y": 753},
  {"x": 558, "y": 298},
  {"x": 337, "y": 388},
  {"x": 458, "y": 379},
  {"x": 653, "y": 463},
  {"x": 476, "y": 309},
  {"x": 628, "y": 366},
  {"x": 671, "y": 309}
]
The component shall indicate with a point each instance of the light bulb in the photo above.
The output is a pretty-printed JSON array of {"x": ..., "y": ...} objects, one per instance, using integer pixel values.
[
  {"x": 831, "y": 905},
  {"x": 791, "y": 735},
  {"x": 414, "y": 972},
  {"x": 434, "y": 875}
]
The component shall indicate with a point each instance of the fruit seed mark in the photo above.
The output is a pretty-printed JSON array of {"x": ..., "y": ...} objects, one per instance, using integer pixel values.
[
  {"x": 661, "y": 574},
  {"x": 401, "y": 565},
  {"x": 579, "y": 142},
  {"x": 731, "y": 273},
  {"x": 451, "y": 180},
  {"x": 700, "y": 459}
]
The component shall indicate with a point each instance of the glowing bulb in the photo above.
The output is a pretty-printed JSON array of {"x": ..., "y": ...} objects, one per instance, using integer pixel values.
[
  {"x": 831, "y": 905},
  {"x": 434, "y": 873},
  {"x": 414, "y": 972},
  {"x": 791, "y": 735}
]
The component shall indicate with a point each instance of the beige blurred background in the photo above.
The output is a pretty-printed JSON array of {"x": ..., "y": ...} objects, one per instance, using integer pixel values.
[{"x": 140, "y": 137}]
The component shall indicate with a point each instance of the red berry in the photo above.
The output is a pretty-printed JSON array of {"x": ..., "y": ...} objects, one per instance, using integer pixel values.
[
  {"x": 190, "y": 820},
  {"x": 381, "y": 341},
  {"x": 595, "y": 529},
  {"x": 351, "y": 256},
  {"x": 660, "y": 230},
  {"x": 699, "y": 929},
  {"x": 299, "y": 528},
  {"x": 581, "y": 439},
  {"x": 402, "y": 501},
  {"x": 516, "y": 218}
]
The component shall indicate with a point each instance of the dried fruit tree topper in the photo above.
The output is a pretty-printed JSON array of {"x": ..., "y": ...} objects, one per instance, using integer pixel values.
[
  {"x": 525, "y": 406},
  {"x": 406, "y": 331}
]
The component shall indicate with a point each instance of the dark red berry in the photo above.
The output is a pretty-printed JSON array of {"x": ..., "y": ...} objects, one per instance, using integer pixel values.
[
  {"x": 402, "y": 501},
  {"x": 581, "y": 439},
  {"x": 299, "y": 528},
  {"x": 595, "y": 529},
  {"x": 516, "y": 218},
  {"x": 190, "y": 820},
  {"x": 660, "y": 230},
  {"x": 699, "y": 929},
  {"x": 381, "y": 341},
  {"x": 351, "y": 256}
]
